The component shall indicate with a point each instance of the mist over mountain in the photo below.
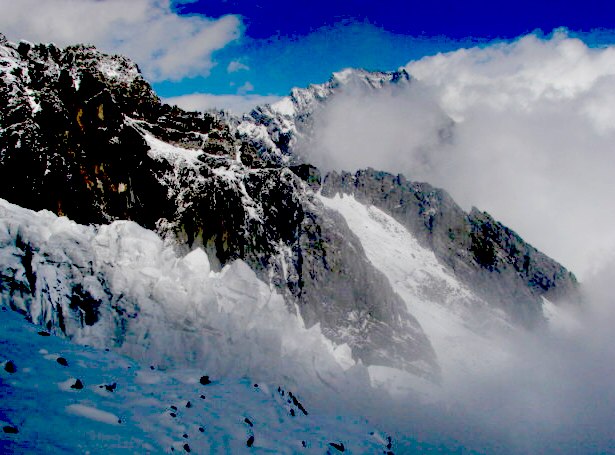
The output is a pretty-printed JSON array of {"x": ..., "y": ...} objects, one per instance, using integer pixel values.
[
  {"x": 522, "y": 130},
  {"x": 208, "y": 242}
]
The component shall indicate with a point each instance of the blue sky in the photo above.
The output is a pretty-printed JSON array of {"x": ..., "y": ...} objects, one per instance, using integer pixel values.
[
  {"x": 233, "y": 50},
  {"x": 287, "y": 44}
]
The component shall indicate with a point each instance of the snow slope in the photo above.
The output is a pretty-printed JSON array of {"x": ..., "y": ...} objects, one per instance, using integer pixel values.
[
  {"x": 459, "y": 324},
  {"x": 126, "y": 407}
]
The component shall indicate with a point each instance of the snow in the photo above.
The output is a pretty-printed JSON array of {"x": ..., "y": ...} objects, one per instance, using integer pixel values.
[
  {"x": 257, "y": 132},
  {"x": 65, "y": 386},
  {"x": 343, "y": 354},
  {"x": 343, "y": 76},
  {"x": 178, "y": 319},
  {"x": 16, "y": 76},
  {"x": 137, "y": 417},
  {"x": 180, "y": 183},
  {"x": 9, "y": 62},
  {"x": 118, "y": 70},
  {"x": 34, "y": 104},
  {"x": 76, "y": 81},
  {"x": 178, "y": 156},
  {"x": 560, "y": 318},
  {"x": 173, "y": 311},
  {"x": 284, "y": 107},
  {"x": 92, "y": 413},
  {"x": 443, "y": 306}
]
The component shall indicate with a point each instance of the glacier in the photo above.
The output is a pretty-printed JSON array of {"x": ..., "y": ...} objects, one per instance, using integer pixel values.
[{"x": 120, "y": 285}]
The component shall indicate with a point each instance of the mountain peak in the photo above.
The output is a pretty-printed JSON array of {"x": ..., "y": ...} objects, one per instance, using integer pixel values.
[{"x": 278, "y": 126}]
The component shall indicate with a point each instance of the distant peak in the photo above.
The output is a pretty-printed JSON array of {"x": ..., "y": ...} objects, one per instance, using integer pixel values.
[{"x": 343, "y": 75}]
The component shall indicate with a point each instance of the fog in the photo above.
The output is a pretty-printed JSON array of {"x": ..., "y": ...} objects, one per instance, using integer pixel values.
[
  {"x": 522, "y": 130},
  {"x": 525, "y": 131},
  {"x": 236, "y": 104},
  {"x": 553, "y": 393},
  {"x": 556, "y": 393}
]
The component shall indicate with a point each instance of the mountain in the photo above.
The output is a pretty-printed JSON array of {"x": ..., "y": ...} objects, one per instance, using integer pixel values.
[
  {"x": 84, "y": 136},
  {"x": 480, "y": 252},
  {"x": 275, "y": 130},
  {"x": 202, "y": 237}
]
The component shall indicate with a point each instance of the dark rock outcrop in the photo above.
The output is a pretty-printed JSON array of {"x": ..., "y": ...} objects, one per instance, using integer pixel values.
[{"x": 338, "y": 446}]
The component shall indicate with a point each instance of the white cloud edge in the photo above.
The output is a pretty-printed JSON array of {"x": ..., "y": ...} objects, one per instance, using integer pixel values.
[
  {"x": 236, "y": 104},
  {"x": 532, "y": 143},
  {"x": 236, "y": 66},
  {"x": 166, "y": 46}
]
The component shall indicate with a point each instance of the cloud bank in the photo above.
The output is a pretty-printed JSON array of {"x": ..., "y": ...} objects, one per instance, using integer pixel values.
[
  {"x": 553, "y": 394},
  {"x": 237, "y": 104},
  {"x": 531, "y": 138},
  {"x": 166, "y": 46}
]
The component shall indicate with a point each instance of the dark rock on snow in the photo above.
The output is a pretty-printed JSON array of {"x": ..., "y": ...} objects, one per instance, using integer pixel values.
[
  {"x": 111, "y": 387},
  {"x": 340, "y": 447},
  {"x": 10, "y": 367}
]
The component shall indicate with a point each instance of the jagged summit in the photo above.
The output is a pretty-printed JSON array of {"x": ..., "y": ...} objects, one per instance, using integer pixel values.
[
  {"x": 275, "y": 129},
  {"x": 306, "y": 100}
]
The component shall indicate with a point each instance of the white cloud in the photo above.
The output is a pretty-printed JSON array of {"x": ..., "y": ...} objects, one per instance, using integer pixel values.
[
  {"x": 165, "y": 45},
  {"x": 235, "y": 66},
  {"x": 245, "y": 88},
  {"x": 237, "y": 104},
  {"x": 532, "y": 143}
]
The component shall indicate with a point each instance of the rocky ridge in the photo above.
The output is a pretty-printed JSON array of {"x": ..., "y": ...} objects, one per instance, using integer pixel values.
[
  {"x": 83, "y": 135},
  {"x": 483, "y": 254}
]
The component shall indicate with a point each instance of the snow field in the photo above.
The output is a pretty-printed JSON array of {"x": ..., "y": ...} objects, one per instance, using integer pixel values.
[{"x": 149, "y": 410}]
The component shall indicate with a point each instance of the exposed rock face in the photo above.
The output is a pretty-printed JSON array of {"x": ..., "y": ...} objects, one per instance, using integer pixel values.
[
  {"x": 484, "y": 254},
  {"x": 83, "y": 135}
]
